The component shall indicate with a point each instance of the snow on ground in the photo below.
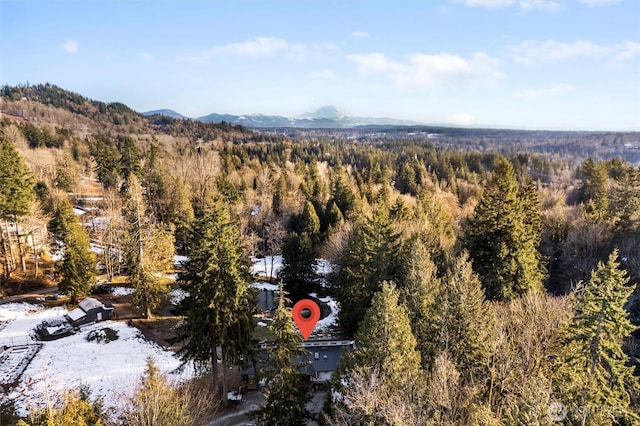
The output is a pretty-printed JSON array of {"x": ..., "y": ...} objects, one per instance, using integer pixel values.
[
  {"x": 13, "y": 311},
  {"x": 324, "y": 325},
  {"x": 97, "y": 249},
  {"x": 179, "y": 260},
  {"x": 263, "y": 267},
  {"x": 261, "y": 285},
  {"x": 177, "y": 295},
  {"x": 110, "y": 370},
  {"x": 323, "y": 267},
  {"x": 122, "y": 291},
  {"x": 268, "y": 266}
]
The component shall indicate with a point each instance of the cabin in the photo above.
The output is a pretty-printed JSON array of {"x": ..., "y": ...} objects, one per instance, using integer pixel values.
[{"x": 89, "y": 311}]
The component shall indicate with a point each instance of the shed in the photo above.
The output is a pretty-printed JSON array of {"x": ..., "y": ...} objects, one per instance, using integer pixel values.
[{"x": 89, "y": 311}]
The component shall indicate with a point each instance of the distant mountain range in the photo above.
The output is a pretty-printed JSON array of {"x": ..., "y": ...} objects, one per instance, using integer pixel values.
[
  {"x": 167, "y": 112},
  {"x": 327, "y": 117}
]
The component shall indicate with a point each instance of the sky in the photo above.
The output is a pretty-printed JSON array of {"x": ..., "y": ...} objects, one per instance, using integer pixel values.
[{"x": 531, "y": 64}]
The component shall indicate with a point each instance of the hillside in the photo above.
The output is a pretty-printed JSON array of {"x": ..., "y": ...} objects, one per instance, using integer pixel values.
[{"x": 50, "y": 106}]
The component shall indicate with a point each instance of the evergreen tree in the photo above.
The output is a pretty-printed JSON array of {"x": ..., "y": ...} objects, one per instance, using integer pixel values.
[
  {"x": 16, "y": 183},
  {"x": 145, "y": 244},
  {"x": 180, "y": 213},
  {"x": 381, "y": 380},
  {"x": 419, "y": 287},
  {"x": 343, "y": 193},
  {"x": 594, "y": 367},
  {"x": 74, "y": 409},
  {"x": 158, "y": 402},
  {"x": 309, "y": 223},
  {"x": 279, "y": 195},
  {"x": 129, "y": 157},
  {"x": 285, "y": 397},
  {"x": 500, "y": 239},
  {"x": 463, "y": 320},
  {"x": 61, "y": 211},
  {"x": 298, "y": 271},
  {"x": 16, "y": 193},
  {"x": 78, "y": 269},
  {"x": 594, "y": 192},
  {"x": 218, "y": 311},
  {"x": 333, "y": 214},
  {"x": 371, "y": 257},
  {"x": 155, "y": 182},
  {"x": 384, "y": 341}
]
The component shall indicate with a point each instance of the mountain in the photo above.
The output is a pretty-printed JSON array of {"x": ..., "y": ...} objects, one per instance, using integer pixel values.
[
  {"x": 327, "y": 117},
  {"x": 166, "y": 112}
]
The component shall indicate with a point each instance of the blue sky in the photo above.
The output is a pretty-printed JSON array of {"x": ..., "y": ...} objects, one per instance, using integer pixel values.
[{"x": 546, "y": 64}]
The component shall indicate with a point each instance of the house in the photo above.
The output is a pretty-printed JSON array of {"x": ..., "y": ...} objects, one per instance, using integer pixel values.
[
  {"x": 89, "y": 311},
  {"x": 323, "y": 358},
  {"x": 318, "y": 364}
]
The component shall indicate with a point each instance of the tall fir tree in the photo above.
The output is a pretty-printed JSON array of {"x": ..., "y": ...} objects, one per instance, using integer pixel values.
[
  {"x": 16, "y": 183},
  {"x": 371, "y": 257},
  {"x": 16, "y": 194},
  {"x": 594, "y": 191},
  {"x": 385, "y": 339},
  {"x": 501, "y": 240},
  {"x": 218, "y": 311},
  {"x": 78, "y": 269},
  {"x": 285, "y": 395},
  {"x": 419, "y": 287},
  {"x": 385, "y": 356},
  {"x": 593, "y": 374},
  {"x": 298, "y": 271},
  {"x": 309, "y": 223},
  {"x": 464, "y": 321},
  {"x": 149, "y": 289}
]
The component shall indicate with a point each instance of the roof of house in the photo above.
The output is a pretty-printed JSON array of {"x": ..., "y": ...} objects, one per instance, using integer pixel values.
[
  {"x": 90, "y": 303},
  {"x": 76, "y": 314}
]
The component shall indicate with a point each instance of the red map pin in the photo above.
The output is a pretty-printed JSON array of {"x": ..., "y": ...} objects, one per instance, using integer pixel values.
[{"x": 306, "y": 314}]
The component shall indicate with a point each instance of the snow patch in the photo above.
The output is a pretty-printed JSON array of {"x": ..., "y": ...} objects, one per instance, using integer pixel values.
[
  {"x": 177, "y": 295},
  {"x": 323, "y": 326},
  {"x": 324, "y": 267},
  {"x": 268, "y": 266},
  {"x": 179, "y": 261},
  {"x": 261, "y": 285},
  {"x": 122, "y": 291},
  {"x": 109, "y": 370}
]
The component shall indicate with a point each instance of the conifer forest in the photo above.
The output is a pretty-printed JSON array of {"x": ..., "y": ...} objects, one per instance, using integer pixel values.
[{"x": 477, "y": 276}]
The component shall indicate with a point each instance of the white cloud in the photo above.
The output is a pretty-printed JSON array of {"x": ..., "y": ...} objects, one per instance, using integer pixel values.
[
  {"x": 531, "y": 52},
  {"x": 598, "y": 2},
  {"x": 627, "y": 51},
  {"x": 543, "y": 92},
  {"x": 147, "y": 57},
  {"x": 461, "y": 119},
  {"x": 257, "y": 48},
  {"x": 325, "y": 74},
  {"x": 428, "y": 71},
  {"x": 360, "y": 34},
  {"x": 263, "y": 47},
  {"x": 69, "y": 46},
  {"x": 548, "y": 5},
  {"x": 487, "y": 4}
]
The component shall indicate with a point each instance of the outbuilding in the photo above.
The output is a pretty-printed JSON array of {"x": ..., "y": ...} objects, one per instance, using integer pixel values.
[{"x": 89, "y": 311}]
